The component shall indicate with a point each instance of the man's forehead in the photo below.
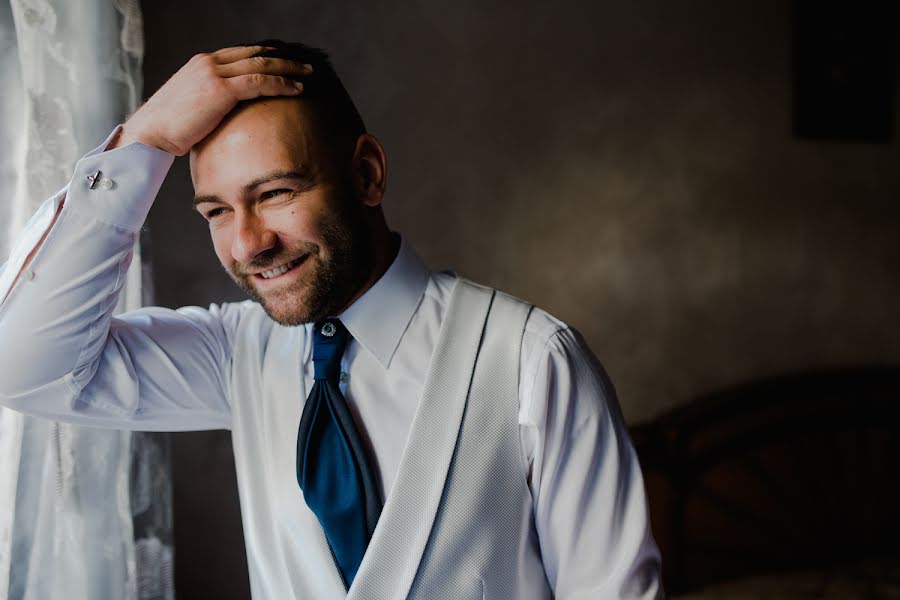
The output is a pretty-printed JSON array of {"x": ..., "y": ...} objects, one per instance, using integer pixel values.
[
  {"x": 263, "y": 119},
  {"x": 269, "y": 131}
]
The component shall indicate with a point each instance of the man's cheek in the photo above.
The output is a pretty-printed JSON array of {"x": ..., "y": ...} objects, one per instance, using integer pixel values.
[{"x": 222, "y": 245}]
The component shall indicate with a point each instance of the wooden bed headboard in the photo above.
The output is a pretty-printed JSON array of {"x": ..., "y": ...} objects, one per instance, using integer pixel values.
[{"x": 792, "y": 472}]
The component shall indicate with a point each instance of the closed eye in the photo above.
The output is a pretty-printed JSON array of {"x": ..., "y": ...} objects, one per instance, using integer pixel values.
[
  {"x": 214, "y": 213},
  {"x": 273, "y": 193}
]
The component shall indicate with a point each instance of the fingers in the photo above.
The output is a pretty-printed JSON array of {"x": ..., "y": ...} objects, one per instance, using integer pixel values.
[
  {"x": 234, "y": 53},
  {"x": 264, "y": 66},
  {"x": 247, "y": 87}
]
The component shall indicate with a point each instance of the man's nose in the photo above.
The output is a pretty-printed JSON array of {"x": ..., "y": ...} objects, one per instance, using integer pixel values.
[{"x": 251, "y": 237}]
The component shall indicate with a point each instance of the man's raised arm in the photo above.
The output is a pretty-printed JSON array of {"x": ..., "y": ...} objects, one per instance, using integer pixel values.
[{"x": 62, "y": 354}]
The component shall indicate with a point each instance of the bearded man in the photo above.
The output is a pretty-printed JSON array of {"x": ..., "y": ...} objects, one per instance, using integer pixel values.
[{"x": 398, "y": 432}]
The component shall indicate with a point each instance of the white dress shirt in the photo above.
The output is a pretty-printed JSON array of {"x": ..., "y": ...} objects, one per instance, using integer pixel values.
[{"x": 63, "y": 356}]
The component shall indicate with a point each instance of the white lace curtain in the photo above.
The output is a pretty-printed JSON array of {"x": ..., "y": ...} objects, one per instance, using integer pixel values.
[{"x": 84, "y": 513}]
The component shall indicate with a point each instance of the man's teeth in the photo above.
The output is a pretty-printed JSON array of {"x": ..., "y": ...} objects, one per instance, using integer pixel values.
[{"x": 280, "y": 270}]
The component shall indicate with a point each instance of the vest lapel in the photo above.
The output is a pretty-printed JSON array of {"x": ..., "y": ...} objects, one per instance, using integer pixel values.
[{"x": 393, "y": 555}]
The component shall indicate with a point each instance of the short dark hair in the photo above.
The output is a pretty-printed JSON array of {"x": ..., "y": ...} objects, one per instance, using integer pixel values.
[{"x": 323, "y": 88}]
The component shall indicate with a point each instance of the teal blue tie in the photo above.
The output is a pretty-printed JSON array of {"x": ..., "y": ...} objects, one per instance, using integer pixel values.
[{"x": 332, "y": 467}]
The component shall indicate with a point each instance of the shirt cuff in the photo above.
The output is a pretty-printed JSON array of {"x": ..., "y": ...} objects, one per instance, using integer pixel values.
[{"x": 118, "y": 186}]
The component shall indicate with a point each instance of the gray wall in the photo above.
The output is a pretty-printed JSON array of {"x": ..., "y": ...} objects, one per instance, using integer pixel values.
[{"x": 627, "y": 166}]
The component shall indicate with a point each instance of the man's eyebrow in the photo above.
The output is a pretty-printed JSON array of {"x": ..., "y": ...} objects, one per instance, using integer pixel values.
[{"x": 301, "y": 176}]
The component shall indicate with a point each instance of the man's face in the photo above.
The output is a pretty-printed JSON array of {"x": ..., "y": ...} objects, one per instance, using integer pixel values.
[{"x": 282, "y": 213}]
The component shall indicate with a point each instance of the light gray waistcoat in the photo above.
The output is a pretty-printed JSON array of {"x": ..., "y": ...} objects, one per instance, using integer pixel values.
[{"x": 460, "y": 514}]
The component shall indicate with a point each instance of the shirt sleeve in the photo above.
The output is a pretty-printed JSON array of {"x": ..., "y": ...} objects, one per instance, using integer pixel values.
[
  {"x": 590, "y": 506},
  {"x": 62, "y": 353}
]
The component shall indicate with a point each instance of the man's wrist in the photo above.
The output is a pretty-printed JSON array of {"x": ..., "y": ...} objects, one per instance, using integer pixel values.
[{"x": 128, "y": 135}]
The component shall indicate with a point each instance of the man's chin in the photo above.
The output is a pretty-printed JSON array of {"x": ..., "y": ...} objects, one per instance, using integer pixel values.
[
  {"x": 286, "y": 319},
  {"x": 286, "y": 308}
]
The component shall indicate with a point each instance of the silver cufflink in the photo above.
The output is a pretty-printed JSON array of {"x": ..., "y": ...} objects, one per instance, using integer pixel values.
[{"x": 105, "y": 183}]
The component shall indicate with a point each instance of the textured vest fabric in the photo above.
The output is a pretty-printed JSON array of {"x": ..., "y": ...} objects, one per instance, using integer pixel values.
[
  {"x": 461, "y": 478},
  {"x": 458, "y": 520},
  {"x": 485, "y": 521}
]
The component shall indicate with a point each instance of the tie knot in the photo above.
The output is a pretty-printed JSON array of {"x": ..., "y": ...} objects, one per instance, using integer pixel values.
[{"x": 329, "y": 341}]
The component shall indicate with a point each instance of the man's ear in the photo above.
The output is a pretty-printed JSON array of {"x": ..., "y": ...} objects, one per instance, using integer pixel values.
[{"x": 369, "y": 170}]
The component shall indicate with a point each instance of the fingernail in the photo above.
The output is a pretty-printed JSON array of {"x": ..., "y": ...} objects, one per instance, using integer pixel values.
[
  {"x": 309, "y": 68},
  {"x": 298, "y": 86}
]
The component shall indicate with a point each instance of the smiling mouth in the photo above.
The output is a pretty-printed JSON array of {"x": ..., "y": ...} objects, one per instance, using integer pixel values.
[{"x": 281, "y": 270}]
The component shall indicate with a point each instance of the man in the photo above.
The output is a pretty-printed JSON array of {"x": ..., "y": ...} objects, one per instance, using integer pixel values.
[{"x": 397, "y": 432}]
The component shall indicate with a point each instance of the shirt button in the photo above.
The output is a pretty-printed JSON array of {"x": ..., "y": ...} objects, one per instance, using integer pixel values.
[
  {"x": 106, "y": 183},
  {"x": 28, "y": 275},
  {"x": 344, "y": 377}
]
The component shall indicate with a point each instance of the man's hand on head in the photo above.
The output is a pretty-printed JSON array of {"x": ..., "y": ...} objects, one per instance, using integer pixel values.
[{"x": 195, "y": 99}]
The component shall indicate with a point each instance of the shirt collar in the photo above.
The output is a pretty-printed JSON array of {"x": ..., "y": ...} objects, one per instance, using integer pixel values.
[{"x": 379, "y": 317}]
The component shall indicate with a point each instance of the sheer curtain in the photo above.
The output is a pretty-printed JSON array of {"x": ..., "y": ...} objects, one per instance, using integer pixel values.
[{"x": 84, "y": 513}]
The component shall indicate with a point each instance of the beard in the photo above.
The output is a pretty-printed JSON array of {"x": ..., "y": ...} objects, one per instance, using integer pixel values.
[{"x": 332, "y": 272}]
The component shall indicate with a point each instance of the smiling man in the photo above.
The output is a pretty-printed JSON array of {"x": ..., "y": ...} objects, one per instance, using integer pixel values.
[
  {"x": 293, "y": 226},
  {"x": 398, "y": 432}
]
